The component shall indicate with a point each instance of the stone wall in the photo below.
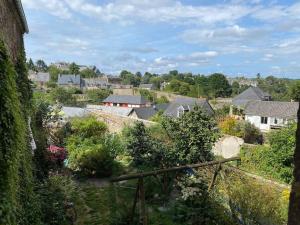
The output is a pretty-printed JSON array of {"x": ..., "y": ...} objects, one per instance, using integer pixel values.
[{"x": 11, "y": 27}]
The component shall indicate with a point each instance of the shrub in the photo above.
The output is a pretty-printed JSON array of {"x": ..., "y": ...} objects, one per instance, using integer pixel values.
[
  {"x": 242, "y": 129},
  {"x": 97, "y": 95},
  {"x": 91, "y": 149},
  {"x": 63, "y": 96}
]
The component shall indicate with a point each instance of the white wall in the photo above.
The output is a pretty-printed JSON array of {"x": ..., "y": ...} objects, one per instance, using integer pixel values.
[{"x": 256, "y": 121}]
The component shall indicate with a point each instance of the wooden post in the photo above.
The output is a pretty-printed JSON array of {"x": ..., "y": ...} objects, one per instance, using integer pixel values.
[
  {"x": 214, "y": 177},
  {"x": 135, "y": 201},
  {"x": 143, "y": 214}
]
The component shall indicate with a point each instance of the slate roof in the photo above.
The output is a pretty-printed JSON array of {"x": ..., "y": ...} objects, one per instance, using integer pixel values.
[
  {"x": 145, "y": 113},
  {"x": 92, "y": 82},
  {"x": 162, "y": 106},
  {"x": 251, "y": 94},
  {"x": 284, "y": 110},
  {"x": 172, "y": 109},
  {"x": 110, "y": 109},
  {"x": 146, "y": 86},
  {"x": 64, "y": 79},
  {"x": 42, "y": 77},
  {"x": 130, "y": 99}
]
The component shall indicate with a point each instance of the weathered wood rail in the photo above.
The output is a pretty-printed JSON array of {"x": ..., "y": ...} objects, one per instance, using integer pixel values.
[{"x": 140, "y": 191}]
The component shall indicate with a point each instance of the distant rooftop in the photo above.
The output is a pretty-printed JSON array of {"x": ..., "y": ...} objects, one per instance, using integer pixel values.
[
  {"x": 251, "y": 94},
  {"x": 130, "y": 99},
  {"x": 65, "y": 79}
]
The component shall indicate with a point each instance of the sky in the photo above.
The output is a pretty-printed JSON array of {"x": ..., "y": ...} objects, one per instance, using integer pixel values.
[{"x": 234, "y": 37}]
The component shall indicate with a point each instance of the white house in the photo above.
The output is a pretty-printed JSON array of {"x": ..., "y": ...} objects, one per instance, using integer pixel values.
[{"x": 267, "y": 115}]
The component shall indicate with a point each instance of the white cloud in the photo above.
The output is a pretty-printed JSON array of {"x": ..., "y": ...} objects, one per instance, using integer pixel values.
[{"x": 55, "y": 7}]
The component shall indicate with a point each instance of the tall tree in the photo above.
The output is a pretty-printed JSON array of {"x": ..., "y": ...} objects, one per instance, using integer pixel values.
[
  {"x": 53, "y": 71},
  {"x": 31, "y": 65},
  {"x": 74, "y": 68},
  {"x": 219, "y": 85},
  {"x": 41, "y": 65}
]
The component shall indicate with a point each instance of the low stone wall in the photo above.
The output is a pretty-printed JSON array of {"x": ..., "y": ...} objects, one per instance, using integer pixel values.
[
  {"x": 116, "y": 123},
  {"x": 228, "y": 146}
]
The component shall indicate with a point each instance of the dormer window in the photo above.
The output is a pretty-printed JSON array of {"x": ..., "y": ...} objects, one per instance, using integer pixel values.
[{"x": 182, "y": 109}]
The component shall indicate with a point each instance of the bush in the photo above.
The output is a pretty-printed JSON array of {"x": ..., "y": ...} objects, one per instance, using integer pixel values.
[
  {"x": 242, "y": 129},
  {"x": 276, "y": 160},
  {"x": 97, "y": 95},
  {"x": 91, "y": 149},
  {"x": 63, "y": 96}
]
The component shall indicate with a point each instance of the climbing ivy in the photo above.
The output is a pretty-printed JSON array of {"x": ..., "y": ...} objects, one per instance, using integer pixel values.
[{"x": 18, "y": 204}]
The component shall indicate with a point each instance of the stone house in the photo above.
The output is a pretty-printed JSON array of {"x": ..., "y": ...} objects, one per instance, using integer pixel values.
[
  {"x": 67, "y": 81},
  {"x": 13, "y": 26}
]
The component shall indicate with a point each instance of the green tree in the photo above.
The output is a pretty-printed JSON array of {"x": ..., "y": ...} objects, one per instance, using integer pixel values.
[
  {"x": 41, "y": 66},
  {"x": 235, "y": 88},
  {"x": 74, "y": 68},
  {"x": 193, "y": 135},
  {"x": 294, "y": 91},
  {"x": 98, "y": 95},
  {"x": 219, "y": 86},
  {"x": 31, "y": 65},
  {"x": 63, "y": 96},
  {"x": 88, "y": 73},
  {"x": 53, "y": 71}
]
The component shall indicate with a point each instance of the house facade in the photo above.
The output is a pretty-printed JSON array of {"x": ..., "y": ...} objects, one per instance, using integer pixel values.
[
  {"x": 13, "y": 26},
  {"x": 268, "y": 115},
  {"x": 39, "y": 78},
  {"x": 67, "y": 81},
  {"x": 146, "y": 86},
  {"x": 94, "y": 83},
  {"x": 130, "y": 101}
]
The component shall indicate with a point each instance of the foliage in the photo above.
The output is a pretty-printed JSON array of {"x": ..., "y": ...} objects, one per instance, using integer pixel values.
[
  {"x": 18, "y": 204},
  {"x": 53, "y": 71},
  {"x": 63, "y": 96},
  {"x": 149, "y": 95},
  {"x": 276, "y": 160},
  {"x": 222, "y": 113},
  {"x": 88, "y": 73},
  {"x": 253, "y": 202},
  {"x": 161, "y": 100},
  {"x": 91, "y": 149},
  {"x": 219, "y": 85},
  {"x": 41, "y": 66},
  {"x": 54, "y": 193},
  {"x": 192, "y": 141},
  {"x": 129, "y": 78},
  {"x": 242, "y": 129},
  {"x": 74, "y": 68},
  {"x": 294, "y": 91},
  {"x": 98, "y": 95}
]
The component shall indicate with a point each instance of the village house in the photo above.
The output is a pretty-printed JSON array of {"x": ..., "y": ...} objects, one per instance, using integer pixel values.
[
  {"x": 251, "y": 94},
  {"x": 131, "y": 101},
  {"x": 67, "y": 81},
  {"x": 39, "y": 78},
  {"x": 94, "y": 83},
  {"x": 267, "y": 115},
  {"x": 185, "y": 104}
]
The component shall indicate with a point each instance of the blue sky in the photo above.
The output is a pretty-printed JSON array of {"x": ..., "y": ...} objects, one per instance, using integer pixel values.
[{"x": 235, "y": 37}]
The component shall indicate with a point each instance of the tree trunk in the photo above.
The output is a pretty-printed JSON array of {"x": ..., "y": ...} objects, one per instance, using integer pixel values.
[{"x": 294, "y": 207}]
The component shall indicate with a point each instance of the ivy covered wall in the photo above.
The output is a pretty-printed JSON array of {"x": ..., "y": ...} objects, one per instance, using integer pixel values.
[{"x": 18, "y": 203}]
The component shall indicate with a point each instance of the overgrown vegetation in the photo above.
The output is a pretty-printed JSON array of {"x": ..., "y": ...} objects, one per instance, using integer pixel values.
[
  {"x": 276, "y": 159},
  {"x": 242, "y": 129}
]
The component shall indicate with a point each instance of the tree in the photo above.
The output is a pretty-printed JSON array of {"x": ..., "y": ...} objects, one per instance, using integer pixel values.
[
  {"x": 219, "y": 85},
  {"x": 235, "y": 88},
  {"x": 294, "y": 91},
  {"x": 88, "y": 73},
  {"x": 74, "y": 68},
  {"x": 63, "y": 96},
  {"x": 138, "y": 142},
  {"x": 193, "y": 135},
  {"x": 97, "y": 95},
  {"x": 156, "y": 81},
  {"x": 41, "y": 66},
  {"x": 31, "y": 65},
  {"x": 53, "y": 71}
]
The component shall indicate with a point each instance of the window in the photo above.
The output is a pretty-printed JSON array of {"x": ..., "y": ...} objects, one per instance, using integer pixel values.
[
  {"x": 275, "y": 121},
  {"x": 264, "y": 120}
]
